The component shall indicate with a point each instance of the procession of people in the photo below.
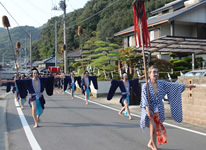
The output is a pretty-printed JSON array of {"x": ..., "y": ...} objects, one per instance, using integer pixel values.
[{"x": 152, "y": 114}]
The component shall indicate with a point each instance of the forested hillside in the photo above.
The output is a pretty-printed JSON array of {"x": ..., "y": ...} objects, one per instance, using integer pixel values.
[
  {"x": 17, "y": 34},
  {"x": 102, "y": 26}
]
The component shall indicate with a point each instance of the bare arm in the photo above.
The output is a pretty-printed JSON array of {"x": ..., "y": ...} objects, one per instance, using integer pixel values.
[
  {"x": 108, "y": 79},
  {"x": 8, "y": 81},
  {"x": 189, "y": 86},
  {"x": 149, "y": 113},
  {"x": 141, "y": 77},
  {"x": 59, "y": 76}
]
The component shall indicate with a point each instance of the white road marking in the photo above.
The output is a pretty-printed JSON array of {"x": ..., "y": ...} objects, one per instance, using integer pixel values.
[
  {"x": 32, "y": 140},
  {"x": 168, "y": 124}
]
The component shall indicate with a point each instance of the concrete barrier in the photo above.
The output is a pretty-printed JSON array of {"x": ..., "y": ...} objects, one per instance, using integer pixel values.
[
  {"x": 103, "y": 89},
  {"x": 194, "y": 101}
]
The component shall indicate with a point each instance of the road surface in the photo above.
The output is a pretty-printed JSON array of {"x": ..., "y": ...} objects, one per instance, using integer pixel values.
[{"x": 68, "y": 124}]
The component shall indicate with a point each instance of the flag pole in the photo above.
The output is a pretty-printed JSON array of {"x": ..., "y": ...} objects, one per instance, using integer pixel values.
[{"x": 144, "y": 60}]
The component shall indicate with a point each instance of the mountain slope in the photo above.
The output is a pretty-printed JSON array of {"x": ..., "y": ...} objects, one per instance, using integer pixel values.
[
  {"x": 17, "y": 34},
  {"x": 102, "y": 27}
]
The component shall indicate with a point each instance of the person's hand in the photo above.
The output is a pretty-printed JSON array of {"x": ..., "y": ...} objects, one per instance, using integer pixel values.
[
  {"x": 4, "y": 81},
  {"x": 84, "y": 88},
  {"x": 141, "y": 77},
  {"x": 190, "y": 86},
  {"x": 62, "y": 75},
  {"x": 149, "y": 114}
]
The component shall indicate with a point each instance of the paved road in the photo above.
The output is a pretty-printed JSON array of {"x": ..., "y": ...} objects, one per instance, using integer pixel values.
[{"x": 71, "y": 125}]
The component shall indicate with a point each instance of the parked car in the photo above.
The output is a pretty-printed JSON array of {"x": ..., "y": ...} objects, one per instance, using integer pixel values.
[{"x": 198, "y": 73}]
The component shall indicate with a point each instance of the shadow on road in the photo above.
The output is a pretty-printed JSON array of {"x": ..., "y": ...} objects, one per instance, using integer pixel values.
[
  {"x": 14, "y": 123},
  {"x": 76, "y": 125},
  {"x": 63, "y": 107}
]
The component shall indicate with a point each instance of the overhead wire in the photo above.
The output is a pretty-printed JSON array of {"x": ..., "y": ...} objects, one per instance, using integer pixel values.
[
  {"x": 93, "y": 15},
  {"x": 71, "y": 5},
  {"x": 15, "y": 20},
  {"x": 26, "y": 13},
  {"x": 29, "y": 1}
]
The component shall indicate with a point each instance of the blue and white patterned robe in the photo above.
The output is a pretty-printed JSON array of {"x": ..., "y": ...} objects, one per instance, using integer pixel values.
[{"x": 173, "y": 91}]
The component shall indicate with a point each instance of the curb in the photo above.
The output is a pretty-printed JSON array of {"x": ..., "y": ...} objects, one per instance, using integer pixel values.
[{"x": 4, "y": 132}]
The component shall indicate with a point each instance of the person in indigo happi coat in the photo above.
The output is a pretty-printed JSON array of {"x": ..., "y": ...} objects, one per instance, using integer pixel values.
[
  {"x": 69, "y": 81},
  {"x": 124, "y": 86},
  {"x": 35, "y": 86},
  {"x": 85, "y": 85}
]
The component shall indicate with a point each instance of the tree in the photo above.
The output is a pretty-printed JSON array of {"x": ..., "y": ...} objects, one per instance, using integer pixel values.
[
  {"x": 100, "y": 55},
  {"x": 130, "y": 57},
  {"x": 179, "y": 55}
]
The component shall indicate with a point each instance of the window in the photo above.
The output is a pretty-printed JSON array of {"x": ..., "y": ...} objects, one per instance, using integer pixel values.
[
  {"x": 132, "y": 41},
  {"x": 154, "y": 34},
  {"x": 151, "y": 34}
]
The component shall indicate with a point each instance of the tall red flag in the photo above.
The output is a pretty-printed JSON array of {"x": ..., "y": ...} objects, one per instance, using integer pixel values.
[{"x": 140, "y": 18}]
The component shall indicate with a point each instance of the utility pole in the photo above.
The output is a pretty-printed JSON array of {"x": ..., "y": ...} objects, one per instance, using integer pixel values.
[
  {"x": 19, "y": 59},
  {"x": 55, "y": 43},
  {"x": 31, "y": 51},
  {"x": 63, "y": 7},
  {"x": 65, "y": 40},
  {"x": 25, "y": 55},
  {"x": 3, "y": 60}
]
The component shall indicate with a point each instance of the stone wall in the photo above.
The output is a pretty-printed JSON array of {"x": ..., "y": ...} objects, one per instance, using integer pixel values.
[{"x": 194, "y": 101}]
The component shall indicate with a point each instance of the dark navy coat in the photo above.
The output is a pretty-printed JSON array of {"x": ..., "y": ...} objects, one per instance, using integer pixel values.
[
  {"x": 90, "y": 78},
  {"x": 45, "y": 83},
  {"x": 68, "y": 81},
  {"x": 134, "y": 84}
]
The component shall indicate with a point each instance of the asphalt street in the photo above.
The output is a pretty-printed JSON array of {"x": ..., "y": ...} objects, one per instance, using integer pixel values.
[{"x": 68, "y": 124}]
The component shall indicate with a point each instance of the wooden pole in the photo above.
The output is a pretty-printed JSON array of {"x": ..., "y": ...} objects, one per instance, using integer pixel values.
[
  {"x": 13, "y": 50},
  {"x": 144, "y": 60}
]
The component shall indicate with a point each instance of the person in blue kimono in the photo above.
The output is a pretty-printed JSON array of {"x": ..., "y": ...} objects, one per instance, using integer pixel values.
[
  {"x": 152, "y": 115},
  {"x": 11, "y": 83},
  {"x": 85, "y": 85},
  {"x": 69, "y": 81},
  {"x": 22, "y": 100},
  {"x": 35, "y": 87},
  {"x": 124, "y": 86}
]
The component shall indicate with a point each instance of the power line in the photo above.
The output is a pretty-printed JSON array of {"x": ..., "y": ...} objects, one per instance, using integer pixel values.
[
  {"x": 94, "y": 14},
  {"x": 26, "y": 13},
  {"x": 71, "y": 5},
  {"x": 38, "y": 7},
  {"x": 15, "y": 20}
]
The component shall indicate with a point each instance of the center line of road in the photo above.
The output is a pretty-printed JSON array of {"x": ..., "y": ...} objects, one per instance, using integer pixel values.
[
  {"x": 168, "y": 124},
  {"x": 32, "y": 140}
]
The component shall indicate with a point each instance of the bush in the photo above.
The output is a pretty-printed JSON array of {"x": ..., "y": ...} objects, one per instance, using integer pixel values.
[
  {"x": 179, "y": 63},
  {"x": 172, "y": 60},
  {"x": 188, "y": 59},
  {"x": 179, "y": 68},
  {"x": 116, "y": 76},
  {"x": 175, "y": 75}
]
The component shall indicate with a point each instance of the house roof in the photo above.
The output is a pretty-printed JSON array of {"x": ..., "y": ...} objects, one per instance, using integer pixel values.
[
  {"x": 168, "y": 5},
  {"x": 177, "y": 44},
  {"x": 155, "y": 20},
  {"x": 48, "y": 60},
  {"x": 76, "y": 53}
]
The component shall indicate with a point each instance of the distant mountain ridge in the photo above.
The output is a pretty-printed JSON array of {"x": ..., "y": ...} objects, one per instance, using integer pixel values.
[{"x": 17, "y": 34}]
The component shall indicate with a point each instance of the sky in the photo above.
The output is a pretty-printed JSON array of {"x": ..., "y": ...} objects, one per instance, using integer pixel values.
[{"x": 35, "y": 12}]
